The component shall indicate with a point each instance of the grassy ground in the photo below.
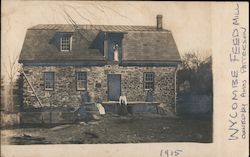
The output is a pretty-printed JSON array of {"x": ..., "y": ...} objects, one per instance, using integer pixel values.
[{"x": 115, "y": 129}]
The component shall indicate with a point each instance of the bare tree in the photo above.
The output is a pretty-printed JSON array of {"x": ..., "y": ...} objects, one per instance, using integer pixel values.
[
  {"x": 2, "y": 94},
  {"x": 12, "y": 68},
  {"x": 192, "y": 60},
  {"x": 196, "y": 70}
]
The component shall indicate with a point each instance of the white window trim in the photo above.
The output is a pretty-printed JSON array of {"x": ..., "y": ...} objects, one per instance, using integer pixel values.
[
  {"x": 49, "y": 89},
  {"x": 70, "y": 44},
  {"x": 77, "y": 87},
  {"x": 144, "y": 81}
]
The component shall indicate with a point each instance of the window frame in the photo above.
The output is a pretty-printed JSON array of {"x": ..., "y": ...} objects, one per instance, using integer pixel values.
[
  {"x": 69, "y": 36},
  {"x": 53, "y": 87},
  {"x": 85, "y": 81},
  {"x": 148, "y": 81}
]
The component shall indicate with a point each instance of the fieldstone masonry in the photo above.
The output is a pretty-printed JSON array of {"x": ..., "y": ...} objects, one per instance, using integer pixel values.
[{"x": 65, "y": 94}]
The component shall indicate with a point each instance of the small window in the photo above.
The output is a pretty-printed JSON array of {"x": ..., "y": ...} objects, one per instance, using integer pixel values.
[
  {"x": 148, "y": 80},
  {"x": 81, "y": 81},
  {"x": 49, "y": 80},
  {"x": 66, "y": 43}
]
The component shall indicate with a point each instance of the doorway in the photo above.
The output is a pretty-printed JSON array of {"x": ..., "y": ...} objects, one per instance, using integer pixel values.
[{"x": 114, "y": 87}]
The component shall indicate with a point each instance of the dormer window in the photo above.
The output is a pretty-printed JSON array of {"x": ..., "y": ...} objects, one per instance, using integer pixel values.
[{"x": 66, "y": 43}]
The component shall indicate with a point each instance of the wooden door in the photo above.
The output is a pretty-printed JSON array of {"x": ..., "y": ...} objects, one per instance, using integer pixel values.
[{"x": 114, "y": 87}]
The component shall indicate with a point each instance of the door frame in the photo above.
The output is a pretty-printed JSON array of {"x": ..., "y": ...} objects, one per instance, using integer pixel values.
[{"x": 120, "y": 83}]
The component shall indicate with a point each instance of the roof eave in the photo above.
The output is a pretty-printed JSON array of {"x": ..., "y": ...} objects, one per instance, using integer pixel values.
[{"x": 150, "y": 62}]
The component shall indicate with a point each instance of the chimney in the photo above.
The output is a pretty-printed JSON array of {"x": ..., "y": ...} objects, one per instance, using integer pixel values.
[{"x": 159, "y": 22}]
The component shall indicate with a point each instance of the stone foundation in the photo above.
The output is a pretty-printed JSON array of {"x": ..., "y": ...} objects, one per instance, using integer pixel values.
[{"x": 65, "y": 93}]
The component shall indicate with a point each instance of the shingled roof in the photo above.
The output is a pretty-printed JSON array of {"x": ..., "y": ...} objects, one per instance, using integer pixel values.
[
  {"x": 104, "y": 28},
  {"x": 140, "y": 44}
]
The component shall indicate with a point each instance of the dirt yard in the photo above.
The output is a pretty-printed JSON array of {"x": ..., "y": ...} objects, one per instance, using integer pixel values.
[{"x": 115, "y": 129}]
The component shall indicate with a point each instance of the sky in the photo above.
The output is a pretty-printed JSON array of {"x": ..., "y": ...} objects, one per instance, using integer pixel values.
[{"x": 190, "y": 22}]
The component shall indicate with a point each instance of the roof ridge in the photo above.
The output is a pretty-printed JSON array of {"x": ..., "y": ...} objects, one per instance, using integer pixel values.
[
  {"x": 105, "y": 28},
  {"x": 61, "y": 24}
]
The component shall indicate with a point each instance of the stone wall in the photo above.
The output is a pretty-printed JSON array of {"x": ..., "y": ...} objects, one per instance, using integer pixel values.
[
  {"x": 10, "y": 119},
  {"x": 65, "y": 94}
]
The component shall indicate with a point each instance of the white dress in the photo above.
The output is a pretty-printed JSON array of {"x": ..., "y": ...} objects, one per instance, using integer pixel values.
[{"x": 116, "y": 55}]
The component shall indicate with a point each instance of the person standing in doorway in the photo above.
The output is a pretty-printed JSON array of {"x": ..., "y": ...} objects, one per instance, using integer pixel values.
[{"x": 116, "y": 53}]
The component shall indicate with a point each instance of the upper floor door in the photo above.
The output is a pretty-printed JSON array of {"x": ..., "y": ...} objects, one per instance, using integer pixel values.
[{"x": 115, "y": 47}]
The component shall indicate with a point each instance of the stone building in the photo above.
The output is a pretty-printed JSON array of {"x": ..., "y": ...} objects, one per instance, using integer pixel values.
[{"x": 61, "y": 62}]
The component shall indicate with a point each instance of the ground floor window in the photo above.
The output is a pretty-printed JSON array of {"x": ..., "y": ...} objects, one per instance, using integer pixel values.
[
  {"x": 81, "y": 80},
  {"x": 49, "y": 80},
  {"x": 148, "y": 80}
]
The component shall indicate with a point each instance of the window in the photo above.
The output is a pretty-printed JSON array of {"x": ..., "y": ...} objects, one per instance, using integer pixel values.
[
  {"x": 81, "y": 81},
  {"x": 148, "y": 80},
  {"x": 49, "y": 80},
  {"x": 66, "y": 42}
]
